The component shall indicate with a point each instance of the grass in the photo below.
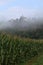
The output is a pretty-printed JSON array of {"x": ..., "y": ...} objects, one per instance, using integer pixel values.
[{"x": 37, "y": 60}]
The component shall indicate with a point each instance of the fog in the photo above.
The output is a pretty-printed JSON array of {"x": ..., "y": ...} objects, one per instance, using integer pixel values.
[{"x": 22, "y": 23}]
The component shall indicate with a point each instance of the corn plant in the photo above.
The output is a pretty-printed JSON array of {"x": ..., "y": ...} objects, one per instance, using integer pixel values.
[{"x": 17, "y": 51}]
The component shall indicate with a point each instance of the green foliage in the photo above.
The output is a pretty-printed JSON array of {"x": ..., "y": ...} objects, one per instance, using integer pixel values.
[
  {"x": 32, "y": 33},
  {"x": 39, "y": 60},
  {"x": 15, "y": 51}
]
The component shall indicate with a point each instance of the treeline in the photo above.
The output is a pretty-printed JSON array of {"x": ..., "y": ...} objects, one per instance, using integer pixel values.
[
  {"x": 24, "y": 27},
  {"x": 33, "y": 34},
  {"x": 16, "y": 51}
]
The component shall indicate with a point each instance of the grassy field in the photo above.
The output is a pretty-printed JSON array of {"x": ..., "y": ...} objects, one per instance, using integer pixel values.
[
  {"x": 20, "y": 51},
  {"x": 37, "y": 60}
]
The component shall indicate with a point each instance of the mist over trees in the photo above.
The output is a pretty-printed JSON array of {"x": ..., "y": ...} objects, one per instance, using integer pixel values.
[{"x": 24, "y": 27}]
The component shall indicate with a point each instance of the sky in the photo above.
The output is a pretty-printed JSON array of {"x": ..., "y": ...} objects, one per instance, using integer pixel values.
[{"x": 15, "y": 8}]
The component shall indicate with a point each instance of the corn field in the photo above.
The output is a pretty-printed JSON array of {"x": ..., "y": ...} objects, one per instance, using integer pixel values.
[{"x": 16, "y": 51}]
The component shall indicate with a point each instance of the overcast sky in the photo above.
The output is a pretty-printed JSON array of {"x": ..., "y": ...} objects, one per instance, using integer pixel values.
[{"x": 16, "y": 8}]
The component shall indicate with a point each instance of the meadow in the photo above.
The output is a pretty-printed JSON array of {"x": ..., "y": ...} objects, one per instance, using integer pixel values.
[{"x": 15, "y": 50}]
